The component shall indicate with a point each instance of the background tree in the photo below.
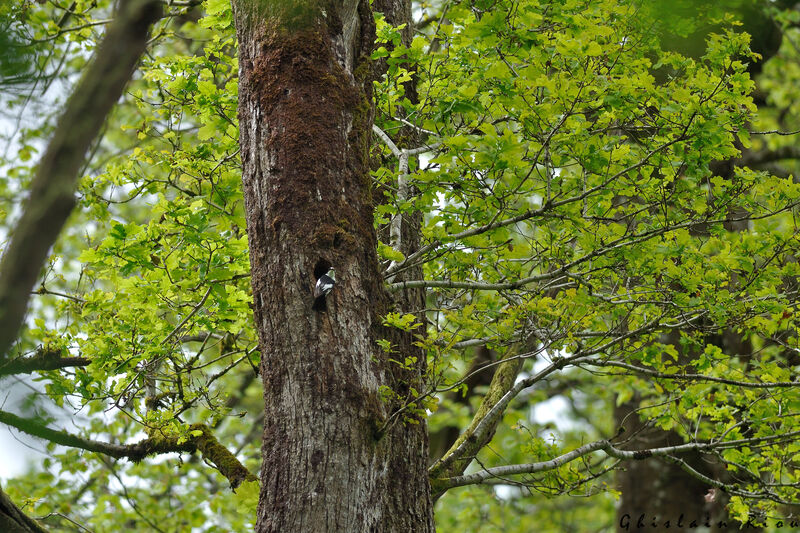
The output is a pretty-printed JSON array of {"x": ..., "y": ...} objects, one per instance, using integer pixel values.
[{"x": 566, "y": 167}]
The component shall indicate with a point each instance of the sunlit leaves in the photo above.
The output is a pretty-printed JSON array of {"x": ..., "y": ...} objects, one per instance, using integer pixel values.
[{"x": 570, "y": 121}]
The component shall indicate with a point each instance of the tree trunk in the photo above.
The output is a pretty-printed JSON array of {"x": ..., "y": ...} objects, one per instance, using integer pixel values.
[
  {"x": 305, "y": 115},
  {"x": 656, "y": 492}
]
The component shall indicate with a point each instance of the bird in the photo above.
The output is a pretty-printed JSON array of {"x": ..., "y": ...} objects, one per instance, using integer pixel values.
[{"x": 324, "y": 285}]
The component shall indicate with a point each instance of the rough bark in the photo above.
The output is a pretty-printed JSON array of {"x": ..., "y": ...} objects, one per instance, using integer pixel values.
[
  {"x": 51, "y": 197},
  {"x": 305, "y": 116}
]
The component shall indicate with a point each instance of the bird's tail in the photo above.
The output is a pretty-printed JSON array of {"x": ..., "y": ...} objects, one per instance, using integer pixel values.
[{"x": 320, "y": 304}]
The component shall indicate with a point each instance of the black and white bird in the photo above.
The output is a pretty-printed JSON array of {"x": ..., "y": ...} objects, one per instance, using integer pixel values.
[{"x": 324, "y": 285}]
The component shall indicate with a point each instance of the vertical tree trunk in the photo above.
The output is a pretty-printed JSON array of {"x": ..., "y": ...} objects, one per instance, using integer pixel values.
[
  {"x": 655, "y": 491},
  {"x": 305, "y": 116}
]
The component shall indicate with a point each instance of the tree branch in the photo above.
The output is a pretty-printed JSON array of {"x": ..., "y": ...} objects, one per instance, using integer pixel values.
[
  {"x": 200, "y": 439},
  {"x": 469, "y": 443},
  {"x": 486, "y": 420},
  {"x": 610, "y": 450},
  {"x": 42, "y": 361},
  {"x": 531, "y": 213},
  {"x": 774, "y": 132},
  {"x": 529, "y": 468},
  {"x": 696, "y": 377},
  {"x": 51, "y": 196},
  {"x": 621, "y": 242},
  {"x": 396, "y": 224}
]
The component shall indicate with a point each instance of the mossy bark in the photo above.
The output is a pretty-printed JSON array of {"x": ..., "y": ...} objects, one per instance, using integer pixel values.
[
  {"x": 456, "y": 460},
  {"x": 305, "y": 115}
]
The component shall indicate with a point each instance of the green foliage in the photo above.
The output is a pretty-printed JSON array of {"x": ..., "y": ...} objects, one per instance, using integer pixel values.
[
  {"x": 247, "y": 497},
  {"x": 156, "y": 277},
  {"x": 585, "y": 149},
  {"x": 16, "y": 55},
  {"x": 570, "y": 210},
  {"x": 404, "y": 321}
]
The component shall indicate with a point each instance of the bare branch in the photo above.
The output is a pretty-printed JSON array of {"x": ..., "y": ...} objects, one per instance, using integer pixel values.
[
  {"x": 403, "y": 155},
  {"x": 529, "y": 468},
  {"x": 774, "y": 132},
  {"x": 727, "y": 487},
  {"x": 697, "y": 377},
  {"x": 387, "y": 140}
]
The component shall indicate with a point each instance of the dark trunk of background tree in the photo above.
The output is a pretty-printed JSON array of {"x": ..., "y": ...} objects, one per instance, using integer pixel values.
[
  {"x": 662, "y": 491},
  {"x": 305, "y": 116}
]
